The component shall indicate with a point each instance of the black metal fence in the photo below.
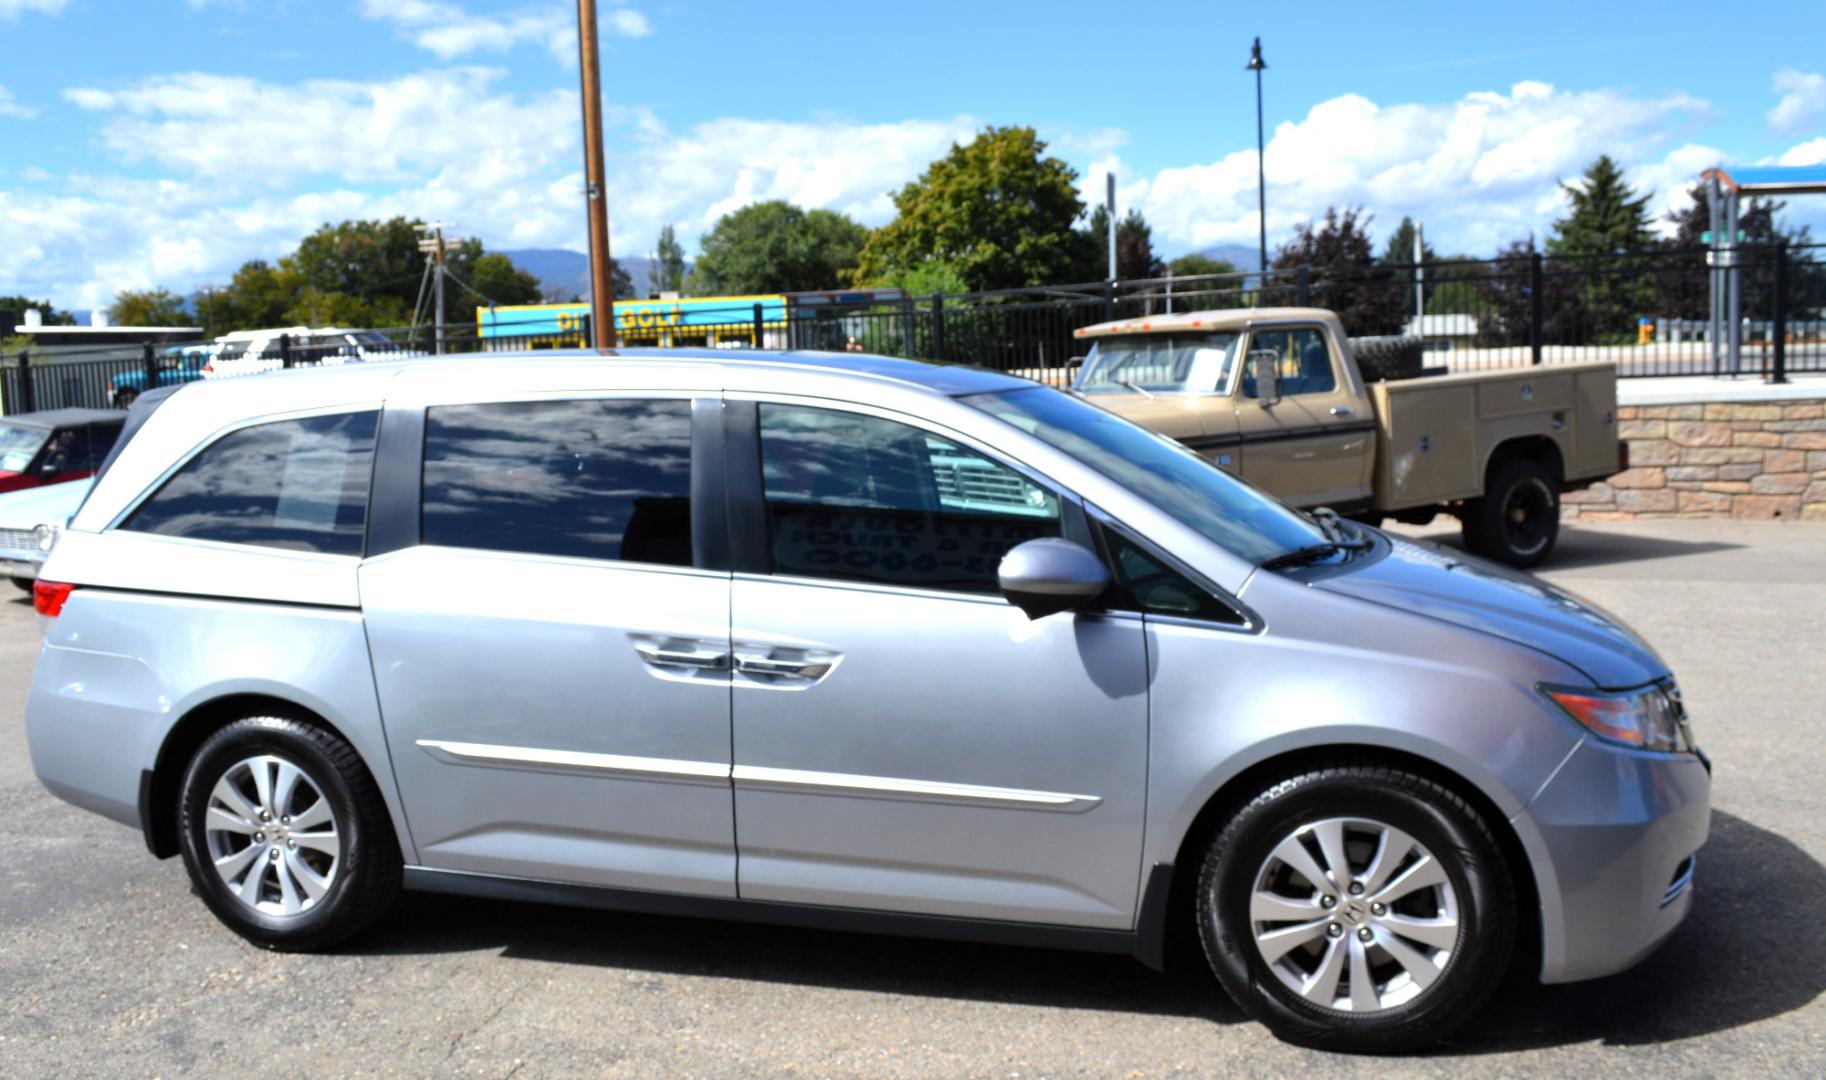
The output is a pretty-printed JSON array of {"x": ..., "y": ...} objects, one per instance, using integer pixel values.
[{"x": 1649, "y": 313}]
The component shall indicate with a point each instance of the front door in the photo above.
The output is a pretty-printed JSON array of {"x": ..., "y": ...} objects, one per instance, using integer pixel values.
[
  {"x": 552, "y": 667},
  {"x": 905, "y": 739},
  {"x": 1311, "y": 447}
]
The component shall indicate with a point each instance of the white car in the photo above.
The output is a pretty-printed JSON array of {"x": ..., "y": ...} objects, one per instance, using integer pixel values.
[
  {"x": 30, "y": 521},
  {"x": 248, "y": 352}
]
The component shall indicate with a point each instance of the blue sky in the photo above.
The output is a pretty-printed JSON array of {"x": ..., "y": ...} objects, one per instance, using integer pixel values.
[{"x": 164, "y": 141}]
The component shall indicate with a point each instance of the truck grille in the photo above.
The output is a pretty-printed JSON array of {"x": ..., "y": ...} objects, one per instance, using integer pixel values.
[
  {"x": 962, "y": 482},
  {"x": 18, "y": 540}
]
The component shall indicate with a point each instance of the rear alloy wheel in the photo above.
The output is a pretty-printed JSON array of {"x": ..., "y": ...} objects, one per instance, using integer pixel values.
[
  {"x": 285, "y": 835},
  {"x": 1518, "y": 520},
  {"x": 1357, "y": 908}
]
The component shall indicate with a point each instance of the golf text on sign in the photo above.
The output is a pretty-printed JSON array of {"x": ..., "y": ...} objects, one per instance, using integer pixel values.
[{"x": 636, "y": 318}]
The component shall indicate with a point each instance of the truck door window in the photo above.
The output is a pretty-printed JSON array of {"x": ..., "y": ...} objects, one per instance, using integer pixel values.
[{"x": 1304, "y": 361}]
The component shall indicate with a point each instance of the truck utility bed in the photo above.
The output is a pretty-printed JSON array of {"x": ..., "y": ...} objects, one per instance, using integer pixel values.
[{"x": 1435, "y": 434}]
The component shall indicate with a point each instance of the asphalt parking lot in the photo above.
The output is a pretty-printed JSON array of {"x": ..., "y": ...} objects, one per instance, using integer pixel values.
[{"x": 108, "y": 966}]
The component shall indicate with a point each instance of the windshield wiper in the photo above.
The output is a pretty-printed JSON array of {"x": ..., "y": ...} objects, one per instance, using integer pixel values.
[
  {"x": 1135, "y": 386},
  {"x": 1300, "y": 556}
]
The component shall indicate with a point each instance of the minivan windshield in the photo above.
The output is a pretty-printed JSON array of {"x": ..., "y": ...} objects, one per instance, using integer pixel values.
[
  {"x": 1199, "y": 495},
  {"x": 1189, "y": 363}
]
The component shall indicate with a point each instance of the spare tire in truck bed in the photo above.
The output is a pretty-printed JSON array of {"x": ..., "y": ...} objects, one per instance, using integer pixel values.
[{"x": 1385, "y": 359}]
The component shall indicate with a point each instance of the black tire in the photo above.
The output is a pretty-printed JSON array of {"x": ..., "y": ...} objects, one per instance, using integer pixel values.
[
  {"x": 1518, "y": 520},
  {"x": 25, "y": 583},
  {"x": 125, "y": 397},
  {"x": 1386, "y": 359},
  {"x": 1430, "y": 813},
  {"x": 367, "y": 870}
]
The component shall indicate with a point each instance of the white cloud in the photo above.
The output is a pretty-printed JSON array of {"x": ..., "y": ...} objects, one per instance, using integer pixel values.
[
  {"x": 1479, "y": 171},
  {"x": 1811, "y": 152},
  {"x": 12, "y": 108},
  {"x": 450, "y": 31},
  {"x": 1803, "y": 98},
  {"x": 12, "y": 9},
  {"x": 256, "y": 165}
]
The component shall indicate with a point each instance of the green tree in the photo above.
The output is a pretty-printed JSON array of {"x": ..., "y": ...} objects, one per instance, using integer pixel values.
[
  {"x": 924, "y": 279},
  {"x": 1605, "y": 232},
  {"x": 1135, "y": 258},
  {"x": 997, "y": 210},
  {"x": 21, "y": 304},
  {"x": 774, "y": 246},
  {"x": 1607, "y": 217},
  {"x": 1342, "y": 273},
  {"x": 255, "y": 298},
  {"x": 494, "y": 279},
  {"x": 669, "y": 262},
  {"x": 148, "y": 307}
]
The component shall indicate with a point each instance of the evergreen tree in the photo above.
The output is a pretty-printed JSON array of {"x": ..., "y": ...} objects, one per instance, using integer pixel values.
[
  {"x": 669, "y": 262},
  {"x": 1603, "y": 240}
]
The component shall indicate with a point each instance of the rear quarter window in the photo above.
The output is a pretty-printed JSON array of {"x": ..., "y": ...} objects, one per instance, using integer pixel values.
[{"x": 300, "y": 485}]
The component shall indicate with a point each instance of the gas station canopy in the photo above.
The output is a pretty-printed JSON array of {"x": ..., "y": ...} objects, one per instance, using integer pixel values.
[{"x": 1771, "y": 179}]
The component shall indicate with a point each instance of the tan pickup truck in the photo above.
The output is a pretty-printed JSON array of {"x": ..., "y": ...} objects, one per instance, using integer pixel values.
[{"x": 1277, "y": 396}]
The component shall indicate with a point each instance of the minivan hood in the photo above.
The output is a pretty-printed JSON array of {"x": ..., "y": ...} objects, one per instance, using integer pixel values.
[{"x": 1480, "y": 595}]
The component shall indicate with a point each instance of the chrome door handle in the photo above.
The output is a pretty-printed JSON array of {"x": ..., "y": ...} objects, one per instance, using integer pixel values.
[
  {"x": 699, "y": 660},
  {"x": 1341, "y": 410},
  {"x": 802, "y": 669}
]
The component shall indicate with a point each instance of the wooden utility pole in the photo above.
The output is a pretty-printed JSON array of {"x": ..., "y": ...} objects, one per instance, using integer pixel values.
[{"x": 602, "y": 283}]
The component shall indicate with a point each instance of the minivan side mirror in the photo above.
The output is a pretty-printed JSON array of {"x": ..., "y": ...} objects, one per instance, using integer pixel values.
[
  {"x": 1047, "y": 576},
  {"x": 1265, "y": 371}
]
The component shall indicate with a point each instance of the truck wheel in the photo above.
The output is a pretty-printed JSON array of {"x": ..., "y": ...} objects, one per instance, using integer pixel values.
[
  {"x": 1518, "y": 519},
  {"x": 1357, "y": 907}
]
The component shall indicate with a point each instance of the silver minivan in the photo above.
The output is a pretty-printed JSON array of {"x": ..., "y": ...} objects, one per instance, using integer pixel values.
[{"x": 847, "y": 642}]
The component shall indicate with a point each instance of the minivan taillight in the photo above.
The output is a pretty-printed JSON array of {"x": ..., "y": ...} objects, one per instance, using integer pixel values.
[{"x": 48, "y": 596}]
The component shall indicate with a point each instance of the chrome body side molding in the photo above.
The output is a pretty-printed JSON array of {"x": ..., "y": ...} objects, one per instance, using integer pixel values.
[{"x": 578, "y": 762}]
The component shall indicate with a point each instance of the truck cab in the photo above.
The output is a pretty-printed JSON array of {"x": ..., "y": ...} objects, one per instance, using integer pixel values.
[{"x": 1279, "y": 397}]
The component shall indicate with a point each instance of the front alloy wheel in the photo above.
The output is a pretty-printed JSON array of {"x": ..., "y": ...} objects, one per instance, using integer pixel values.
[
  {"x": 1354, "y": 914},
  {"x": 1357, "y": 907}
]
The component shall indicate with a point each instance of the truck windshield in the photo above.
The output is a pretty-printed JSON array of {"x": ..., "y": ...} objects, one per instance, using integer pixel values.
[
  {"x": 1159, "y": 364},
  {"x": 19, "y": 445},
  {"x": 1199, "y": 495}
]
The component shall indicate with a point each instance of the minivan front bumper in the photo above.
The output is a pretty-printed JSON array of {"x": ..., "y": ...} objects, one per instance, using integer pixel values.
[{"x": 1618, "y": 832}]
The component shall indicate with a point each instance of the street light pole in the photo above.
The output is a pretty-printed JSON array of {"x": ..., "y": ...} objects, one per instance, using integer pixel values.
[
  {"x": 602, "y": 283},
  {"x": 1258, "y": 65}
]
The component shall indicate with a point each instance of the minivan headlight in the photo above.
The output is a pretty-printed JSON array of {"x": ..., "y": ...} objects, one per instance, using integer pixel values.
[{"x": 1650, "y": 718}]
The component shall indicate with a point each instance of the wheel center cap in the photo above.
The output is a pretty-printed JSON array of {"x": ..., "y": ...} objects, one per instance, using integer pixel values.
[{"x": 1354, "y": 911}]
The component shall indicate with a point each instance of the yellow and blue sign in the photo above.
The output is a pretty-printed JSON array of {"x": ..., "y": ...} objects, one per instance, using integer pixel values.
[{"x": 638, "y": 320}]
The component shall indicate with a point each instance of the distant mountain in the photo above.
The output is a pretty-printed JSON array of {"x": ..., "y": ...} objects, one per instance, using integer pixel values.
[
  {"x": 566, "y": 274},
  {"x": 1241, "y": 256}
]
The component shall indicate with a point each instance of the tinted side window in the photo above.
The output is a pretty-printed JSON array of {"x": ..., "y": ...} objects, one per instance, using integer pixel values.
[
  {"x": 859, "y": 497},
  {"x": 295, "y": 484},
  {"x": 1152, "y": 586},
  {"x": 592, "y": 479},
  {"x": 101, "y": 440},
  {"x": 1301, "y": 357}
]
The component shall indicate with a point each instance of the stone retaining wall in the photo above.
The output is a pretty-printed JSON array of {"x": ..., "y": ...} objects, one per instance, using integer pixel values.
[{"x": 1720, "y": 460}]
